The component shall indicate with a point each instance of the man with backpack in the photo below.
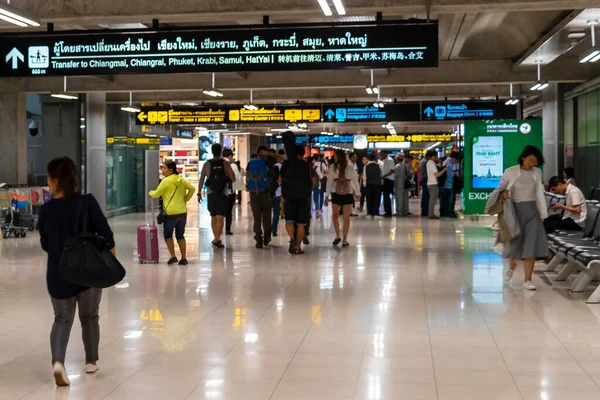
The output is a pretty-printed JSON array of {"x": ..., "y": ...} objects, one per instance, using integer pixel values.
[
  {"x": 259, "y": 182},
  {"x": 231, "y": 195},
  {"x": 218, "y": 174}
]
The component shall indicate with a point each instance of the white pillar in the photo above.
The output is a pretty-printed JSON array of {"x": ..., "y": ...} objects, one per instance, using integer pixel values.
[
  {"x": 95, "y": 161},
  {"x": 553, "y": 125}
]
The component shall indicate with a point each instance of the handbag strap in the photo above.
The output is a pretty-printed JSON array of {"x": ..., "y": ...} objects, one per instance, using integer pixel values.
[
  {"x": 81, "y": 215},
  {"x": 176, "y": 188}
]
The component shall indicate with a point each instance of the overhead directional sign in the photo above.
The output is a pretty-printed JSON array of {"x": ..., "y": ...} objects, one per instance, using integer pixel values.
[
  {"x": 339, "y": 113},
  {"x": 349, "y": 112},
  {"x": 14, "y": 56},
  {"x": 385, "y": 44},
  {"x": 411, "y": 137},
  {"x": 227, "y": 114},
  {"x": 371, "y": 139},
  {"x": 326, "y": 112},
  {"x": 470, "y": 110}
]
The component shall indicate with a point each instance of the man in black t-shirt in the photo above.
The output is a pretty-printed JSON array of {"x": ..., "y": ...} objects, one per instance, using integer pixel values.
[{"x": 298, "y": 179}]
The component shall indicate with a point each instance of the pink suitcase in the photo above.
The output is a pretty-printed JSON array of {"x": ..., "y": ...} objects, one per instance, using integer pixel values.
[{"x": 147, "y": 242}]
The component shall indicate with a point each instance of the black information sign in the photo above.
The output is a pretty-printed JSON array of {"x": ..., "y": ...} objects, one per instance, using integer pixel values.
[
  {"x": 398, "y": 44},
  {"x": 339, "y": 113},
  {"x": 470, "y": 110}
]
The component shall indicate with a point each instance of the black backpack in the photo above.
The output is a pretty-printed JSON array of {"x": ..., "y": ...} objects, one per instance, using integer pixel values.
[{"x": 218, "y": 179}]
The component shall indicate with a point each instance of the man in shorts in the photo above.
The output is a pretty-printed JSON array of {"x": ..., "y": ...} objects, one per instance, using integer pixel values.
[
  {"x": 218, "y": 174},
  {"x": 298, "y": 179}
]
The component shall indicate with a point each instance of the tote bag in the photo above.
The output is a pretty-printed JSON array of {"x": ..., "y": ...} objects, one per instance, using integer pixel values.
[{"x": 85, "y": 259}]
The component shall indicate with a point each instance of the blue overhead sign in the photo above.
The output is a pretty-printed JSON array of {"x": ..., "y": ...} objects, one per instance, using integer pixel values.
[
  {"x": 333, "y": 139},
  {"x": 470, "y": 110},
  {"x": 348, "y": 112}
]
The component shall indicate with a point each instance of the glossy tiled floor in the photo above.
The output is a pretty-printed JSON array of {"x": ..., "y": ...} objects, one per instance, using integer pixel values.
[{"x": 413, "y": 310}]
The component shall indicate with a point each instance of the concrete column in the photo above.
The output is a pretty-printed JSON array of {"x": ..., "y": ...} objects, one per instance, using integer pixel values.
[
  {"x": 553, "y": 114},
  {"x": 96, "y": 146},
  {"x": 59, "y": 136},
  {"x": 13, "y": 138}
]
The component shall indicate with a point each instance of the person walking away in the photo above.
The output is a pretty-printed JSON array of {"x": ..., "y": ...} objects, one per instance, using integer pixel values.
[
  {"x": 175, "y": 192},
  {"x": 321, "y": 185},
  {"x": 574, "y": 211},
  {"x": 343, "y": 189},
  {"x": 238, "y": 185},
  {"x": 313, "y": 177},
  {"x": 372, "y": 181},
  {"x": 297, "y": 182},
  {"x": 276, "y": 203},
  {"x": 56, "y": 224},
  {"x": 432, "y": 182},
  {"x": 387, "y": 173},
  {"x": 258, "y": 183},
  {"x": 363, "y": 184},
  {"x": 414, "y": 165},
  {"x": 353, "y": 162},
  {"x": 217, "y": 173},
  {"x": 231, "y": 196},
  {"x": 403, "y": 185},
  {"x": 523, "y": 185},
  {"x": 424, "y": 190},
  {"x": 448, "y": 198}
]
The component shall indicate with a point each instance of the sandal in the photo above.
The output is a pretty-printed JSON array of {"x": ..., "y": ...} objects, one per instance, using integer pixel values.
[
  {"x": 337, "y": 241},
  {"x": 292, "y": 248},
  {"x": 345, "y": 244},
  {"x": 218, "y": 244},
  {"x": 298, "y": 251}
]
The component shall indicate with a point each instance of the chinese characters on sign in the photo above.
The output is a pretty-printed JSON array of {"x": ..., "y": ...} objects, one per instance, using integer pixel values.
[{"x": 388, "y": 44}]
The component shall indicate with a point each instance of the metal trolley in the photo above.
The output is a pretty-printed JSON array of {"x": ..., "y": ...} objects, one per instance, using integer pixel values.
[{"x": 11, "y": 225}]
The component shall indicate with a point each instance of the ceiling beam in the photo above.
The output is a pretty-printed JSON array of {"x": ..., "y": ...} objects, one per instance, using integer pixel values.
[
  {"x": 449, "y": 73},
  {"x": 451, "y": 36},
  {"x": 322, "y": 96},
  {"x": 545, "y": 37},
  {"x": 211, "y": 12},
  {"x": 462, "y": 35}
]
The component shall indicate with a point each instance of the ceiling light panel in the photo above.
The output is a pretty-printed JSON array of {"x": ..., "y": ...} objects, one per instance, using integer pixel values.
[{"x": 325, "y": 7}]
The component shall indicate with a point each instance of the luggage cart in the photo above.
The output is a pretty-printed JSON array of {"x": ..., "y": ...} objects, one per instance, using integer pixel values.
[{"x": 11, "y": 225}]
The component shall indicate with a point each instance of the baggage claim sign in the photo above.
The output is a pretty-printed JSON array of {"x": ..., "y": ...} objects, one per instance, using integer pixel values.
[{"x": 398, "y": 44}]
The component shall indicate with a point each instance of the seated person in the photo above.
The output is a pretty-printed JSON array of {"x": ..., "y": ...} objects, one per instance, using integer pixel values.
[{"x": 574, "y": 212}]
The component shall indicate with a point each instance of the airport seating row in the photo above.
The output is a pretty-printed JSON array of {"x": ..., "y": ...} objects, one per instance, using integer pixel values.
[{"x": 577, "y": 251}]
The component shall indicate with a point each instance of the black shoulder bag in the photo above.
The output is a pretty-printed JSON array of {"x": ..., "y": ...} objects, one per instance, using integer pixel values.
[
  {"x": 162, "y": 214},
  {"x": 85, "y": 259}
]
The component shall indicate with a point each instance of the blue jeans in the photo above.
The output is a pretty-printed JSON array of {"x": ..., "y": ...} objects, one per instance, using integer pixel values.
[
  {"x": 276, "y": 204},
  {"x": 319, "y": 198}
]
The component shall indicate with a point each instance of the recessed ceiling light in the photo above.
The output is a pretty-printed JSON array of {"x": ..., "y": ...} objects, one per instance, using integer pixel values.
[
  {"x": 325, "y": 7},
  {"x": 576, "y": 35}
]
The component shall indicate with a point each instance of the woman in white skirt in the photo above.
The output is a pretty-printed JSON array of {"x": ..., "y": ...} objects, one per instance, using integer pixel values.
[{"x": 523, "y": 185}]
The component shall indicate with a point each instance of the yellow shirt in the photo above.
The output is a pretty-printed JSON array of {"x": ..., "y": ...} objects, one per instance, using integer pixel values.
[{"x": 176, "y": 192}]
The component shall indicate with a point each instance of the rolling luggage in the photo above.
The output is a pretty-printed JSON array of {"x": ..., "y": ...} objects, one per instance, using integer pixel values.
[{"x": 147, "y": 242}]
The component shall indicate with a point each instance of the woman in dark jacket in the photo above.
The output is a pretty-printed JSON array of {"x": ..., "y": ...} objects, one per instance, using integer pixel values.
[{"x": 57, "y": 223}]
